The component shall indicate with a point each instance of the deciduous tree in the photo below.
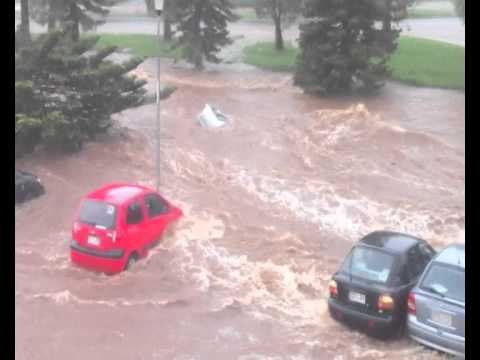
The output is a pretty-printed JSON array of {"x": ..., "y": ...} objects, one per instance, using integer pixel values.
[{"x": 281, "y": 12}]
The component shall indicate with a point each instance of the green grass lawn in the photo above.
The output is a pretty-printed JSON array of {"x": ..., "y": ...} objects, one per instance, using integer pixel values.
[
  {"x": 142, "y": 45},
  {"x": 432, "y": 9},
  {"x": 417, "y": 61},
  {"x": 264, "y": 56},
  {"x": 246, "y": 14},
  {"x": 416, "y": 13},
  {"x": 427, "y": 9},
  {"x": 429, "y": 63}
]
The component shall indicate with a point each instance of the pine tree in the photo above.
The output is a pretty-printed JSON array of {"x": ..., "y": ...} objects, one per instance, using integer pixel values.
[
  {"x": 47, "y": 12},
  {"x": 71, "y": 14},
  {"x": 280, "y": 11},
  {"x": 342, "y": 49},
  {"x": 394, "y": 11},
  {"x": 66, "y": 92},
  {"x": 202, "y": 27}
]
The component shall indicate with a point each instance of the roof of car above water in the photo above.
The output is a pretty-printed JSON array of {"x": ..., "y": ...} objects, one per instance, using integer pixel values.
[
  {"x": 118, "y": 193},
  {"x": 452, "y": 255},
  {"x": 390, "y": 241}
]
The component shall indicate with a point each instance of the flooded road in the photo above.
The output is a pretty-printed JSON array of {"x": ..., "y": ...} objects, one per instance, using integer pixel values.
[{"x": 272, "y": 203}]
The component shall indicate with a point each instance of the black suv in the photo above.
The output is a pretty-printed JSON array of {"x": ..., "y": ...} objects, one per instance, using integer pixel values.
[{"x": 372, "y": 285}]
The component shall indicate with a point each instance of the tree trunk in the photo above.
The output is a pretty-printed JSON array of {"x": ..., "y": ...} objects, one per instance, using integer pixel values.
[
  {"x": 279, "y": 44},
  {"x": 387, "y": 20},
  {"x": 52, "y": 24},
  {"x": 198, "y": 47},
  {"x": 75, "y": 26},
  {"x": 25, "y": 21},
  {"x": 167, "y": 29},
  {"x": 167, "y": 21},
  {"x": 150, "y": 5},
  {"x": 51, "y": 16}
]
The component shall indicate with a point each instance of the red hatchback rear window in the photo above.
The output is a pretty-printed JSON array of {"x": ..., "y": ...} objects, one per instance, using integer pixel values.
[{"x": 98, "y": 213}]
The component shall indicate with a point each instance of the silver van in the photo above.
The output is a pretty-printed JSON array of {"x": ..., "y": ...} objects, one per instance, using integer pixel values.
[{"x": 436, "y": 305}]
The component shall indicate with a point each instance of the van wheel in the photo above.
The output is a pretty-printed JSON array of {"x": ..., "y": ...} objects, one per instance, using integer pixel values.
[{"x": 131, "y": 260}]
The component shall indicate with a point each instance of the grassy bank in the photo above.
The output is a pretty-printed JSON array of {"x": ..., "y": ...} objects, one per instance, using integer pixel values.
[
  {"x": 421, "y": 10},
  {"x": 429, "y": 63},
  {"x": 264, "y": 56},
  {"x": 248, "y": 14},
  {"x": 417, "y": 61},
  {"x": 142, "y": 45},
  {"x": 432, "y": 9}
]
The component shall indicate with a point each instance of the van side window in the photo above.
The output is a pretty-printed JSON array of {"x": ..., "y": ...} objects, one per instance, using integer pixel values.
[
  {"x": 416, "y": 262},
  {"x": 134, "y": 213},
  {"x": 427, "y": 251},
  {"x": 155, "y": 205}
]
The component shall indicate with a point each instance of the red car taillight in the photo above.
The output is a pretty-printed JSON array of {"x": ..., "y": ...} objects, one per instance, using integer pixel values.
[
  {"x": 412, "y": 306},
  {"x": 333, "y": 288}
]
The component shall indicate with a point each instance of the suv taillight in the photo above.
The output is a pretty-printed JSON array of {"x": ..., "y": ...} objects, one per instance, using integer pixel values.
[
  {"x": 385, "y": 302},
  {"x": 412, "y": 306},
  {"x": 332, "y": 286}
]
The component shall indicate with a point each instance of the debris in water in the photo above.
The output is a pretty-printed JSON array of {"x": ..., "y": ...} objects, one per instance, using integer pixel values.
[{"x": 212, "y": 117}]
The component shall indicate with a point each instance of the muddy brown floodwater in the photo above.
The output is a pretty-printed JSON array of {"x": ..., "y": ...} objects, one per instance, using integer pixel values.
[{"x": 272, "y": 202}]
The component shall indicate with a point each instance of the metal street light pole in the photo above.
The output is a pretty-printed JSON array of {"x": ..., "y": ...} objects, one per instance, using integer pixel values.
[{"x": 158, "y": 10}]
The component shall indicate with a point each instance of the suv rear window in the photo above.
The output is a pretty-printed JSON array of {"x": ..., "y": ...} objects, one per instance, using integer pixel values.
[
  {"x": 99, "y": 213},
  {"x": 369, "y": 264},
  {"x": 446, "y": 281}
]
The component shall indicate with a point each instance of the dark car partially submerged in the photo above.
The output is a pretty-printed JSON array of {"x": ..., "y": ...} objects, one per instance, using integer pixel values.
[
  {"x": 27, "y": 187},
  {"x": 372, "y": 285}
]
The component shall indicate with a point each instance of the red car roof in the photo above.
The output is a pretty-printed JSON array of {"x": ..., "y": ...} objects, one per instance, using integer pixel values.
[{"x": 118, "y": 194}]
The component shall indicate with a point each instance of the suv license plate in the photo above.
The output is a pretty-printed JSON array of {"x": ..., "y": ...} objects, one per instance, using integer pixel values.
[
  {"x": 442, "y": 318},
  {"x": 93, "y": 240},
  {"x": 356, "y": 297}
]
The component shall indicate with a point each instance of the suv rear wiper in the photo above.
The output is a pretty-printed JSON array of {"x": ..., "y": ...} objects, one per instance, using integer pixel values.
[{"x": 434, "y": 290}]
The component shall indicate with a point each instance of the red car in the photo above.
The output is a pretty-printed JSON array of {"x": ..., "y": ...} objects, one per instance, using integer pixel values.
[{"x": 117, "y": 224}]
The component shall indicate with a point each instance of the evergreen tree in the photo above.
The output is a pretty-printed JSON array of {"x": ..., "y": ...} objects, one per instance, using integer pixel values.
[
  {"x": 71, "y": 14},
  {"x": 280, "y": 11},
  {"x": 47, "y": 12},
  {"x": 394, "y": 11},
  {"x": 202, "y": 27},
  {"x": 66, "y": 92},
  {"x": 84, "y": 13},
  {"x": 341, "y": 48}
]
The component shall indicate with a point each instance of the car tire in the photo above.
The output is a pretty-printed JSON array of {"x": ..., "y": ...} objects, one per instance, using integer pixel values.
[{"x": 132, "y": 258}]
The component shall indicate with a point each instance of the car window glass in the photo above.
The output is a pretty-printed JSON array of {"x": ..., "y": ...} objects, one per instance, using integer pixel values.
[
  {"x": 134, "y": 213},
  {"x": 416, "y": 262},
  {"x": 155, "y": 205},
  {"x": 446, "y": 281},
  {"x": 98, "y": 213},
  {"x": 369, "y": 264},
  {"x": 427, "y": 252}
]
